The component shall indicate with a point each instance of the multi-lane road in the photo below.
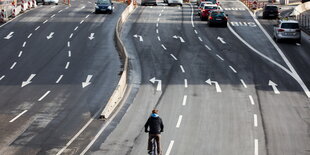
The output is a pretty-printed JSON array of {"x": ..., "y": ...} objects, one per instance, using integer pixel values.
[{"x": 218, "y": 90}]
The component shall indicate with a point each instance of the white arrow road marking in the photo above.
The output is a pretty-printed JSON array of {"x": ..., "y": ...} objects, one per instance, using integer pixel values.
[
  {"x": 20, "y": 53},
  {"x": 178, "y": 37},
  {"x": 170, "y": 147},
  {"x": 179, "y": 121},
  {"x": 86, "y": 83},
  {"x": 221, "y": 39},
  {"x": 37, "y": 28},
  {"x": 24, "y": 44},
  {"x": 217, "y": 86},
  {"x": 40, "y": 99},
  {"x": 184, "y": 100},
  {"x": 255, "y": 120},
  {"x": 50, "y": 36},
  {"x": 9, "y": 36},
  {"x": 91, "y": 36},
  {"x": 15, "y": 118},
  {"x": 252, "y": 100},
  {"x": 60, "y": 77},
  {"x": 71, "y": 35},
  {"x": 13, "y": 65},
  {"x": 243, "y": 83},
  {"x": 29, "y": 35},
  {"x": 274, "y": 87},
  {"x": 28, "y": 80},
  {"x": 2, "y": 77},
  {"x": 153, "y": 80},
  {"x": 182, "y": 68},
  {"x": 138, "y": 36}
]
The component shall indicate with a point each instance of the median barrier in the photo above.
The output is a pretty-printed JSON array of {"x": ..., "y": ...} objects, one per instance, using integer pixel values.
[
  {"x": 16, "y": 10},
  {"x": 24, "y": 5},
  {"x": 121, "y": 88},
  {"x": 30, "y": 4}
]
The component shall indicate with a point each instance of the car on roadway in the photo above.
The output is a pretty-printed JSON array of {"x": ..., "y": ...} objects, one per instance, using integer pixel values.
[
  {"x": 175, "y": 2},
  {"x": 204, "y": 14},
  {"x": 287, "y": 30},
  {"x": 48, "y": 1},
  {"x": 218, "y": 17},
  {"x": 202, "y": 4},
  {"x": 151, "y": 2},
  {"x": 271, "y": 11},
  {"x": 104, "y": 6},
  {"x": 201, "y": 1}
]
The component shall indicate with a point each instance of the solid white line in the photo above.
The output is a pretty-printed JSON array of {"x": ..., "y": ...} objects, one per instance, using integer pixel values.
[
  {"x": 45, "y": 21},
  {"x": 200, "y": 39},
  {"x": 18, "y": 116},
  {"x": 29, "y": 35},
  {"x": 158, "y": 38},
  {"x": 71, "y": 35},
  {"x": 67, "y": 65},
  {"x": 184, "y": 100},
  {"x": 182, "y": 68},
  {"x": 82, "y": 22},
  {"x": 256, "y": 147},
  {"x": 68, "y": 43},
  {"x": 76, "y": 28},
  {"x": 196, "y": 31},
  {"x": 69, "y": 53},
  {"x": 243, "y": 83},
  {"x": 251, "y": 99},
  {"x": 20, "y": 53},
  {"x": 232, "y": 69},
  {"x": 2, "y": 77},
  {"x": 179, "y": 121},
  {"x": 220, "y": 57},
  {"x": 192, "y": 16},
  {"x": 87, "y": 16},
  {"x": 53, "y": 15},
  {"x": 24, "y": 44},
  {"x": 60, "y": 77},
  {"x": 208, "y": 47},
  {"x": 156, "y": 30},
  {"x": 255, "y": 120},
  {"x": 13, "y": 65},
  {"x": 169, "y": 148},
  {"x": 37, "y": 28},
  {"x": 44, "y": 95},
  {"x": 163, "y": 47},
  {"x": 173, "y": 57},
  {"x": 185, "y": 83}
]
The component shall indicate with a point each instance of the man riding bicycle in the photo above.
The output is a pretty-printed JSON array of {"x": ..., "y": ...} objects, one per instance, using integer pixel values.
[{"x": 156, "y": 126}]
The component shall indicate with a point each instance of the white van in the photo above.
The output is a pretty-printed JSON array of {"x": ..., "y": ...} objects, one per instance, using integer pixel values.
[{"x": 175, "y": 2}]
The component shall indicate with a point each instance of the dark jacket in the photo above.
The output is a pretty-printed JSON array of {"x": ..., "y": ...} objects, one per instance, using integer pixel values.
[{"x": 155, "y": 124}]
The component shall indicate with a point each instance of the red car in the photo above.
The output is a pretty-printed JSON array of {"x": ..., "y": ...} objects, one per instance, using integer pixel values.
[{"x": 204, "y": 14}]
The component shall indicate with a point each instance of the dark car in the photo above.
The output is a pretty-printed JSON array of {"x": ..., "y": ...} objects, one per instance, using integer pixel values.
[
  {"x": 270, "y": 11},
  {"x": 104, "y": 6},
  {"x": 218, "y": 17}
]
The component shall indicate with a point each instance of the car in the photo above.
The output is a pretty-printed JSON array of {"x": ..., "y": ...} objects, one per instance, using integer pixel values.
[
  {"x": 201, "y": 1},
  {"x": 206, "y": 10},
  {"x": 271, "y": 11},
  {"x": 104, "y": 6},
  {"x": 49, "y": 2},
  {"x": 287, "y": 30},
  {"x": 150, "y": 2},
  {"x": 175, "y": 2},
  {"x": 218, "y": 17},
  {"x": 202, "y": 4}
]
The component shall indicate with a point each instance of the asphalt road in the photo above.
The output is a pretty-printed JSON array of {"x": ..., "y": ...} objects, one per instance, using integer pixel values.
[
  {"x": 254, "y": 105},
  {"x": 59, "y": 67}
]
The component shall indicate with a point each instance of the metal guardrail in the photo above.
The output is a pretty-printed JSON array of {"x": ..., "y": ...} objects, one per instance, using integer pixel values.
[{"x": 303, "y": 20}]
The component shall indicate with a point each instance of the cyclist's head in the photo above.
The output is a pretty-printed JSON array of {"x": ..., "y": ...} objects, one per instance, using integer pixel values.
[{"x": 155, "y": 111}]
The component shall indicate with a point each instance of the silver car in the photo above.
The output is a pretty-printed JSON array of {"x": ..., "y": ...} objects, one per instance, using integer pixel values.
[{"x": 287, "y": 29}]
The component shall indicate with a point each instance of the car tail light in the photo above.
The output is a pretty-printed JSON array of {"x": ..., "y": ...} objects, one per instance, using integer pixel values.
[
  {"x": 280, "y": 30},
  {"x": 210, "y": 18}
]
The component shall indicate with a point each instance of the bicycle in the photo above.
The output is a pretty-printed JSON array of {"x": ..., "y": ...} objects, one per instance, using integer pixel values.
[{"x": 154, "y": 147}]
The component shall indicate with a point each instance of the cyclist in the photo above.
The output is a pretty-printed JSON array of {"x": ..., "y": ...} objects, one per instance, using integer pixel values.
[{"x": 156, "y": 126}]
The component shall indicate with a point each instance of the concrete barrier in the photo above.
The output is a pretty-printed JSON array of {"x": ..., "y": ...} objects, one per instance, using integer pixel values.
[
  {"x": 300, "y": 9},
  {"x": 120, "y": 90}
]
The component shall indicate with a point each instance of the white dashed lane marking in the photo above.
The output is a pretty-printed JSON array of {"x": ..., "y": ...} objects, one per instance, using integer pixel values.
[
  {"x": 173, "y": 57},
  {"x": 37, "y": 28},
  {"x": 71, "y": 35},
  {"x": 170, "y": 147},
  {"x": 29, "y": 35},
  {"x": 200, "y": 39},
  {"x": 232, "y": 69},
  {"x": 252, "y": 100},
  {"x": 220, "y": 57},
  {"x": 184, "y": 100},
  {"x": 185, "y": 83},
  {"x": 68, "y": 44},
  {"x": 60, "y": 77},
  {"x": 208, "y": 47},
  {"x": 20, "y": 53},
  {"x": 158, "y": 38},
  {"x": 255, "y": 120},
  {"x": 24, "y": 44},
  {"x": 243, "y": 83},
  {"x": 13, "y": 65},
  {"x": 18, "y": 116},
  {"x": 182, "y": 68},
  {"x": 67, "y": 65},
  {"x": 163, "y": 46},
  {"x": 2, "y": 77},
  {"x": 40, "y": 99},
  {"x": 69, "y": 53},
  {"x": 179, "y": 121}
]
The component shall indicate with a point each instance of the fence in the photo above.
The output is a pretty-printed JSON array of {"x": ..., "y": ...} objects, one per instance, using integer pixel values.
[{"x": 303, "y": 20}]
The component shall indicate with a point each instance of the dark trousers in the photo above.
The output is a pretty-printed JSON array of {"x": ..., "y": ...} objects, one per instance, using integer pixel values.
[{"x": 157, "y": 139}]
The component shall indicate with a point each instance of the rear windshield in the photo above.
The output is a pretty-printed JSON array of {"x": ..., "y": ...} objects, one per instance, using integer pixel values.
[
  {"x": 271, "y": 8},
  {"x": 103, "y": 1},
  {"x": 211, "y": 7},
  {"x": 290, "y": 25},
  {"x": 217, "y": 14}
]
